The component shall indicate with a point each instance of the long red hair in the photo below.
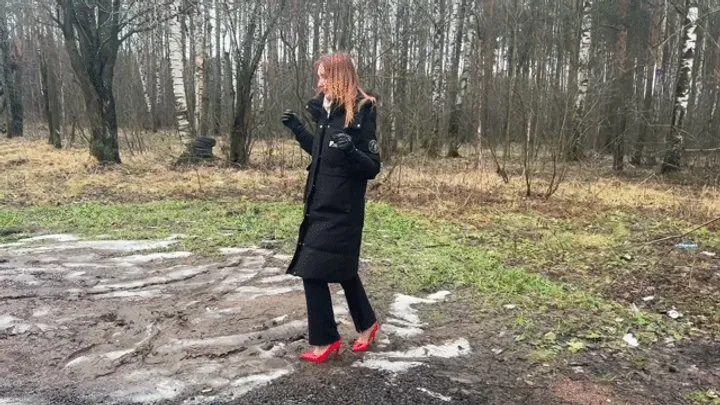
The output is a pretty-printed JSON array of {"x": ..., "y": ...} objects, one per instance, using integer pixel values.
[{"x": 343, "y": 82}]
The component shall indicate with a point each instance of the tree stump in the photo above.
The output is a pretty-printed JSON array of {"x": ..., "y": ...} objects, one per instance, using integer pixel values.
[{"x": 199, "y": 150}]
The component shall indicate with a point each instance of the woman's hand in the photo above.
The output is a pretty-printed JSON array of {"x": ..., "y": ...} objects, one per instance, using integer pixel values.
[
  {"x": 292, "y": 121},
  {"x": 343, "y": 142}
]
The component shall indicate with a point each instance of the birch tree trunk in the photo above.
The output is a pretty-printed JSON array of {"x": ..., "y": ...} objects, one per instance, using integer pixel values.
[
  {"x": 178, "y": 82},
  {"x": 457, "y": 92},
  {"x": 204, "y": 74},
  {"x": 437, "y": 77},
  {"x": 675, "y": 140},
  {"x": 575, "y": 146}
]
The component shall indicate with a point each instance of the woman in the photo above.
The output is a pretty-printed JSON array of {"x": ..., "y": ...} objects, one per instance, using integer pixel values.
[{"x": 345, "y": 155}]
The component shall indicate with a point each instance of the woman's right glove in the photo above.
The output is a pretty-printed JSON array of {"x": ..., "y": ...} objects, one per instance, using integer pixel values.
[{"x": 292, "y": 121}]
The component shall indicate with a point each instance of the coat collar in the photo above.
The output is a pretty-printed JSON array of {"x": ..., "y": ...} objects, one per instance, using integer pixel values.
[{"x": 316, "y": 110}]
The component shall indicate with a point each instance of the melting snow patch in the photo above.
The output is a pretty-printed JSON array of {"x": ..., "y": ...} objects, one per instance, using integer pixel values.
[
  {"x": 61, "y": 237},
  {"x": 278, "y": 279},
  {"x": 438, "y": 296},
  {"x": 245, "y": 293},
  {"x": 108, "y": 245},
  {"x": 108, "y": 356},
  {"x": 141, "y": 259},
  {"x": 630, "y": 340},
  {"x": 8, "y": 321},
  {"x": 403, "y": 309},
  {"x": 410, "y": 358},
  {"x": 249, "y": 383},
  {"x": 245, "y": 251},
  {"x": 183, "y": 273},
  {"x": 435, "y": 394},
  {"x": 395, "y": 367},
  {"x": 407, "y": 321},
  {"x": 402, "y": 331},
  {"x": 279, "y": 319},
  {"x": 155, "y": 390},
  {"x": 16, "y": 401}
]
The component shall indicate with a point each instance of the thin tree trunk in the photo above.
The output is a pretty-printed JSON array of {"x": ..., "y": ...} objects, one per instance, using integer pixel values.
[
  {"x": 438, "y": 31},
  {"x": 12, "y": 53},
  {"x": 458, "y": 88},
  {"x": 204, "y": 65},
  {"x": 623, "y": 73},
  {"x": 675, "y": 140},
  {"x": 575, "y": 147},
  {"x": 488, "y": 62},
  {"x": 50, "y": 94},
  {"x": 217, "y": 120},
  {"x": 176, "y": 68},
  {"x": 652, "y": 83}
]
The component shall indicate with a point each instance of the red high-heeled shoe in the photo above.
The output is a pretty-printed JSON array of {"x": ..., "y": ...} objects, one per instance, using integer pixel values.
[
  {"x": 362, "y": 347},
  {"x": 322, "y": 357}
]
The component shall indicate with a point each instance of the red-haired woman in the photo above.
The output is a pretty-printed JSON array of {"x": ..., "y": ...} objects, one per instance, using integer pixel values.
[{"x": 345, "y": 155}]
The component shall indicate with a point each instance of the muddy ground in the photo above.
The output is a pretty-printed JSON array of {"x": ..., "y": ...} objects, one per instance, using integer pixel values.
[{"x": 137, "y": 322}]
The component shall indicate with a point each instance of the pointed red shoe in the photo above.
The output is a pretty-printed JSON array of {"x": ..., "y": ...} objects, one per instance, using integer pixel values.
[
  {"x": 363, "y": 347},
  {"x": 322, "y": 357}
]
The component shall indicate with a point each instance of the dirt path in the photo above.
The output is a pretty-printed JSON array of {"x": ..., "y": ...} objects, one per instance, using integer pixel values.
[{"x": 101, "y": 322}]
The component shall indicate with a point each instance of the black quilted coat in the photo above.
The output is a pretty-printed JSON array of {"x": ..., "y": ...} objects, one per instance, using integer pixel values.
[{"x": 328, "y": 246}]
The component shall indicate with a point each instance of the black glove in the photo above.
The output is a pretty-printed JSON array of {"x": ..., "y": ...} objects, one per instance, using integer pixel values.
[
  {"x": 343, "y": 142},
  {"x": 292, "y": 121}
]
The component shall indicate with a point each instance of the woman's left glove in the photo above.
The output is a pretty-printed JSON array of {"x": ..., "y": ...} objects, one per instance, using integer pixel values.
[{"x": 343, "y": 142}]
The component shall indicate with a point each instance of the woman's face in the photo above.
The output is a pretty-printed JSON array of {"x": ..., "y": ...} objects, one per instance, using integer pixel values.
[{"x": 322, "y": 81}]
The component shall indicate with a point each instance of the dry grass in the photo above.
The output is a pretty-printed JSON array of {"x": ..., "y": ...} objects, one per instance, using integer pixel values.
[{"x": 35, "y": 173}]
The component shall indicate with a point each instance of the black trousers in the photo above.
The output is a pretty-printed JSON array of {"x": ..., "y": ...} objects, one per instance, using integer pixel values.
[{"x": 321, "y": 318}]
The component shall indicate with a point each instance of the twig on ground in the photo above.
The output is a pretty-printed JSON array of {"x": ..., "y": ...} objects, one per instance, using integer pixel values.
[{"x": 684, "y": 234}]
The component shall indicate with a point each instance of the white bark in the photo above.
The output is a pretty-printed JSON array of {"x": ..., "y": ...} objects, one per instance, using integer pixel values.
[
  {"x": 143, "y": 78},
  {"x": 176, "y": 70},
  {"x": 200, "y": 48},
  {"x": 584, "y": 57},
  {"x": 687, "y": 59},
  {"x": 466, "y": 59},
  {"x": 675, "y": 141},
  {"x": 437, "y": 67}
]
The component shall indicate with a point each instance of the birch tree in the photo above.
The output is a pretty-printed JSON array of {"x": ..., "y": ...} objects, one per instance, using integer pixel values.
[
  {"x": 675, "y": 140},
  {"x": 437, "y": 77},
  {"x": 457, "y": 91},
  {"x": 178, "y": 80},
  {"x": 575, "y": 147}
]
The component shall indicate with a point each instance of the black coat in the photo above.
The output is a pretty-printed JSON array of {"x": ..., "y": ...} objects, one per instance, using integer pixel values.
[{"x": 328, "y": 246}]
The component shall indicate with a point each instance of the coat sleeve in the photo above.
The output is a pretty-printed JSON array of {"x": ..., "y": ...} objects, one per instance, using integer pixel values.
[
  {"x": 304, "y": 138},
  {"x": 365, "y": 158}
]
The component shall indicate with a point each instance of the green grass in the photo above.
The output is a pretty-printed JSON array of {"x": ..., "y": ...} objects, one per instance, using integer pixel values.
[
  {"x": 709, "y": 397},
  {"x": 412, "y": 253}
]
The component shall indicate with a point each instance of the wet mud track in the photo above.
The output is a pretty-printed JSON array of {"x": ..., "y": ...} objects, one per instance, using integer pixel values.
[{"x": 117, "y": 322}]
